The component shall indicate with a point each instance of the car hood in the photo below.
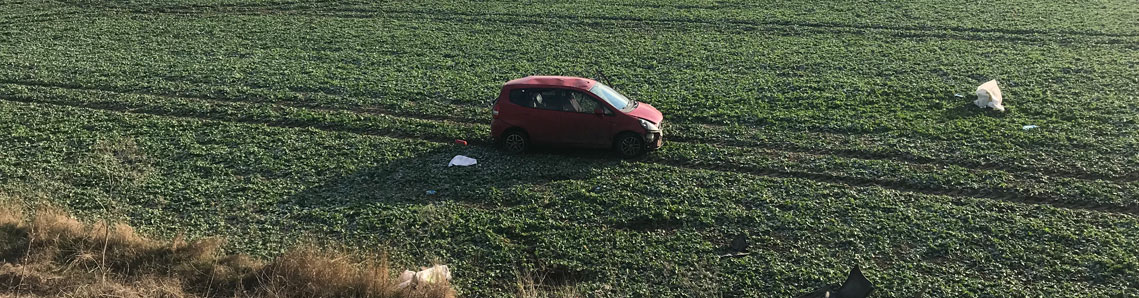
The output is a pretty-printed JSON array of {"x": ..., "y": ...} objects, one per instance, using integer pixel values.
[{"x": 647, "y": 112}]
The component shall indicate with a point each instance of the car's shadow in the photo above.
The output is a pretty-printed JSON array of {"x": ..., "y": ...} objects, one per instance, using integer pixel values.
[
  {"x": 401, "y": 180},
  {"x": 424, "y": 210},
  {"x": 425, "y": 178}
]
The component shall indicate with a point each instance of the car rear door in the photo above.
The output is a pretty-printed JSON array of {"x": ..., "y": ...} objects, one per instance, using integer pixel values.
[{"x": 535, "y": 114}]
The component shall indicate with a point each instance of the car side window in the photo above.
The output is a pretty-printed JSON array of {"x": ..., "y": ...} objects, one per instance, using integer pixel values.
[
  {"x": 523, "y": 97},
  {"x": 546, "y": 99},
  {"x": 556, "y": 100},
  {"x": 585, "y": 104}
]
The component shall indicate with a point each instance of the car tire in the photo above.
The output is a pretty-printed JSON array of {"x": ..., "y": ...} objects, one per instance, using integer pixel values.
[
  {"x": 629, "y": 145},
  {"x": 514, "y": 142}
]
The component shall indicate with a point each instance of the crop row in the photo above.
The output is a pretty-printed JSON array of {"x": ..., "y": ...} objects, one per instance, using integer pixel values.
[
  {"x": 1027, "y": 187},
  {"x": 589, "y": 220}
]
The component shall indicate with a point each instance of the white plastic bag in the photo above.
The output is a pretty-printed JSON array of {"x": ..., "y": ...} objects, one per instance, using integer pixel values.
[
  {"x": 989, "y": 96},
  {"x": 435, "y": 274},
  {"x": 461, "y": 161}
]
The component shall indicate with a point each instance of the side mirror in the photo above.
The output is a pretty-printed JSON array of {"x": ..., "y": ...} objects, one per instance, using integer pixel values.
[{"x": 599, "y": 111}]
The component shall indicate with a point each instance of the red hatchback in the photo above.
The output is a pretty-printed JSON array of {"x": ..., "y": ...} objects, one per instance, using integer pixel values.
[{"x": 573, "y": 111}]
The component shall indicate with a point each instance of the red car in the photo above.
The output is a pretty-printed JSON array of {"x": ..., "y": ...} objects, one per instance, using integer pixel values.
[{"x": 573, "y": 111}]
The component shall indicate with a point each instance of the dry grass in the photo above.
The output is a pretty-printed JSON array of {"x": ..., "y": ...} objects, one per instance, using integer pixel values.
[
  {"x": 52, "y": 254},
  {"x": 534, "y": 285}
]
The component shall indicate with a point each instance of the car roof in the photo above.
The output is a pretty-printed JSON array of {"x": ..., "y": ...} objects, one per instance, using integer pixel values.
[{"x": 553, "y": 81}]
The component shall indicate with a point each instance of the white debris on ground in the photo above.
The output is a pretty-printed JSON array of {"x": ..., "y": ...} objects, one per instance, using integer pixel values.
[
  {"x": 989, "y": 96},
  {"x": 461, "y": 161},
  {"x": 1027, "y": 127},
  {"x": 434, "y": 274}
]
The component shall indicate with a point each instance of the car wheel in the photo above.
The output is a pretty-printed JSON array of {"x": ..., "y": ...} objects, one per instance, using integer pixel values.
[
  {"x": 629, "y": 145},
  {"x": 515, "y": 142}
]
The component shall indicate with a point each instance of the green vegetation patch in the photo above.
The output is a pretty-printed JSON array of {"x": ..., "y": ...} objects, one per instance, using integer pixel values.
[{"x": 832, "y": 134}]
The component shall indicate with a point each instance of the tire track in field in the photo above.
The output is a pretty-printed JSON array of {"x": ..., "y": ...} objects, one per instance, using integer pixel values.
[
  {"x": 369, "y": 110},
  {"x": 281, "y": 124},
  {"x": 790, "y": 26},
  {"x": 377, "y": 12},
  {"x": 165, "y": 112},
  {"x": 43, "y": 17},
  {"x": 784, "y": 28},
  {"x": 900, "y": 157},
  {"x": 773, "y": 153},
  {"x": 1006, "y": 196},
  {"x": 908, "y": 161},
  {"x": 908, "y": 158},
  {"x": 787, "y": 30}
]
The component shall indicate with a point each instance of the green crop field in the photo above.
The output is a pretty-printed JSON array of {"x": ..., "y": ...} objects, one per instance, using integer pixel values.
[{"x": 828, "y": 131}]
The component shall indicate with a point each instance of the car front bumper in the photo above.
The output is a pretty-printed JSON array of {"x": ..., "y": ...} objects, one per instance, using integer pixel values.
[{"x": 655, "y": 139}]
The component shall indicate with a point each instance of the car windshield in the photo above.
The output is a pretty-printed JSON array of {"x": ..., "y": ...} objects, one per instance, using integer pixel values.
[{"x": 613, "y": 97}]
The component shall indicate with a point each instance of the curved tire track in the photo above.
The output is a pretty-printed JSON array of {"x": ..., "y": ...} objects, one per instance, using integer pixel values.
[
  {"x": 784, "y": 147},
  {"x": 818, "y": 177}
]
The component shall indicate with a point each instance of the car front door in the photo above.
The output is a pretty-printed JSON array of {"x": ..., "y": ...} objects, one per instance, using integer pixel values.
[{"x": 587, "y": 127}]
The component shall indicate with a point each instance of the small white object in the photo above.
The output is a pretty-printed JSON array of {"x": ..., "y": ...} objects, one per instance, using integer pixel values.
[
  {"x": 405, "y": 278},
  {"x": 989, "y": 96},
  {"x": 461, "y": 161},
  {"x": 1027, "y": 127},
  {"x": 435, "y": 274},
  {"x": 959, "y": 95}
]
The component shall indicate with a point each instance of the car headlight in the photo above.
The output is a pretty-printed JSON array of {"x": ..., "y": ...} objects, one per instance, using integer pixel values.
[{"x": 649, "y": 126}]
